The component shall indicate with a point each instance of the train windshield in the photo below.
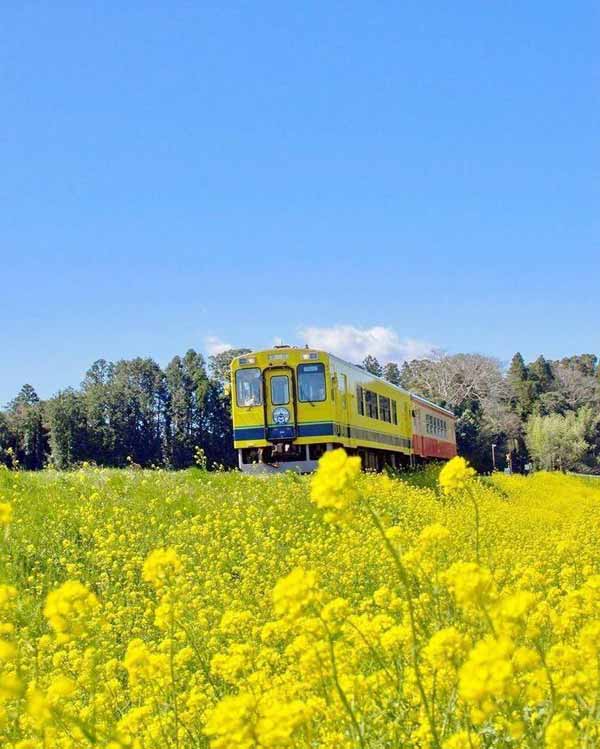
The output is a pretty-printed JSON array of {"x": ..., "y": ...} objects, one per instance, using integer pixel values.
[
  {"x": 248, "y": 385},
  {"x": 311, "y": 382},
  {"x": 280, "y": 390}
]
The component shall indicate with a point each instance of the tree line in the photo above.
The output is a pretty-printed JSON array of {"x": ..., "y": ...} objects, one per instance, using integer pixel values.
[
  {"x": 545, "y": 413},
  {"x": 133, "y": 412},
  {"x": 130, "y": 412}
]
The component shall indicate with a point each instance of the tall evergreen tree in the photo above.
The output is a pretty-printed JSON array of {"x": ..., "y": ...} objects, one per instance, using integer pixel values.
[
  {"x": 99, "y": 406},
  {"x": 523, "y": 389},
  {"x": 138, "y": 398},
  {"x": 26, "y": 418},
  {"x": 69, "y": 439},
  {"x": 540, "y": 372},
  {"x": 186, "y": 382},
  {"x": 217, "y": 427}
]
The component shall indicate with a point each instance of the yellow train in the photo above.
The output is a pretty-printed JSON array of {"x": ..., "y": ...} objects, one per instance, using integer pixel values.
[{"x": 291, "y": 404}]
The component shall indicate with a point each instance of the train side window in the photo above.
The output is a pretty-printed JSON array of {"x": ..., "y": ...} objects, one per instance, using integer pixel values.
[
  {"x": 248, "y": 387},
  {"x": 384, "y": 409},
  {"x": 371, "y": 404},
  {"x": 394, "y": 412},
  {"x": 360, "y": 404},
  {"x": 311, "y": 383}
]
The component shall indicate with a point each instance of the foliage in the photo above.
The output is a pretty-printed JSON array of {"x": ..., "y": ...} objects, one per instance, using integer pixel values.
[
  {"x": 132, "y": 411},
  {"x": 156, "y": 610},
  {"x": 558, "y": 441},
  {"x": 372, "y": 365},
  {"x": 219, "y": 363},
  {"x": 125, "y": 412}
]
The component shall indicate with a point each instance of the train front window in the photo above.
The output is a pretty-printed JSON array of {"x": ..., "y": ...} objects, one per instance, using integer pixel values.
[
  {"x": 280, "y": 390},
  {"x": 248, "y": 385},
  {"x": 311, "y": 383}
]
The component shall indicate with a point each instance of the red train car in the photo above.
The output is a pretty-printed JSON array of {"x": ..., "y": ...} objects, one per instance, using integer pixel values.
[{"x": 434, "y": 433}]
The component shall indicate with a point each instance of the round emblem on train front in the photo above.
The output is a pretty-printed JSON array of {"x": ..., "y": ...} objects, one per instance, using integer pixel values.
[{"x": 281, "y": 415}]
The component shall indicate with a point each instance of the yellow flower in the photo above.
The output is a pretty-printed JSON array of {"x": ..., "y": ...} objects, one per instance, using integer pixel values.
[
  {"x": 278, "y": 721},
  {"x": 69, "y": 608},
  {"x": 38, "y": 707},
  {"x": 161, "y": 567},
  {"x": 447, "y": 646},
  {"x": 10, "y": 686},
  {"x": 7, "y": 650},
  {"x": 462, "y": 740},
  {"x": 455, "y": 475},
  {"x": 561, "y": 734},
  {"x": 293, "y": 593},
  {"x": 333, "y": 486},
  {"x": 487, "y": 677},
  {"x": 433, "y": 535},
  {"x": 232, "y": 722},
  {"x": 61, "y": 687},
  {"x": 5, "y": 513},
  {"x": 470, "y": 583}
]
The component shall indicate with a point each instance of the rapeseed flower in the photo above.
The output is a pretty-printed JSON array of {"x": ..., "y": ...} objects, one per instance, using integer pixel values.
[
  {"x": 293, "y": 593},
  {"x": 192, "y": 616},
  {"x": 69, "y": 610},
  {"x": 5, "y": 513},
  {"x": 161, "y": 567},
  {"x": 456, "y": 474},
  {"x": 333, "y": 486}
]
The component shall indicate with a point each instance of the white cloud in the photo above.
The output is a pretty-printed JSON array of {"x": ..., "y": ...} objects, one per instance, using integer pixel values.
[
  {"x": 354, "y": 344},
  {"x": 214, "y": 345}
]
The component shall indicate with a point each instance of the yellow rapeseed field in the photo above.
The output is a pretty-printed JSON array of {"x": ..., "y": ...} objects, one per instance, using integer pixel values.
[{"x": 159, "y": 610}]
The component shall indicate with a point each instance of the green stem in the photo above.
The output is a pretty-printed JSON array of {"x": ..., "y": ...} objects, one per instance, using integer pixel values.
[
  {"x": 340, "y": 691},
  {"x": 413, "y": 625},
  {"x": 476, "y": 506}
]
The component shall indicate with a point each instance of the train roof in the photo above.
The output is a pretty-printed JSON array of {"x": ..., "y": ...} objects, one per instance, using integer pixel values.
[{"x": 419, "y": 398}]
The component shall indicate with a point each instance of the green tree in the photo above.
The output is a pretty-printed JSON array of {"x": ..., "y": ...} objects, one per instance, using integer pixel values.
[
  {"x": 371, "y": 364},
  {"x": 523, "y": 390},
  {"x": 391, "y": 372},
  {"x": 8, "y": 441},
  {"x": 586, "y": 364},
  {"x": 540, "y": 373},
  {"x": 217, "y": 428},
  {"x": 137, "y": 399},
  {"x": 557, "y": 441},
  {"x": 219, "y": 364},
  {"x": 99, "y": 407},
  {"x": 26, "y": 419},
  {"x": 69, "y": 438},
  {"x": 187, "y": 383}
]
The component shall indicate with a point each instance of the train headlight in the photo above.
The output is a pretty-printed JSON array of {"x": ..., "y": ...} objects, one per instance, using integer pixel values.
[{"x": 281, "y": 415}]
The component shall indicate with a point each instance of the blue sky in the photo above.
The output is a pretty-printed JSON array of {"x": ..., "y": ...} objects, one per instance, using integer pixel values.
[{"x": 387, "y": 175}]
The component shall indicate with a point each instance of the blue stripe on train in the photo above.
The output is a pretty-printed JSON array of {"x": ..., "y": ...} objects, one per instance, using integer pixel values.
[
  {"x": 304, "y": 430},
  {"x": 249, "y": 433},
  {"x": 315, "y": 430}
]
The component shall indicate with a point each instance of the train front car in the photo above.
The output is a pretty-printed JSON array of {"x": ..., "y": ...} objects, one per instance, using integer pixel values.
[{"x": 282, "y": 409}]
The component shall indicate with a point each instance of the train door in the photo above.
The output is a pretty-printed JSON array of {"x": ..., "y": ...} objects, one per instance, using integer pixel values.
[{"x": 280, "y": 411}]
